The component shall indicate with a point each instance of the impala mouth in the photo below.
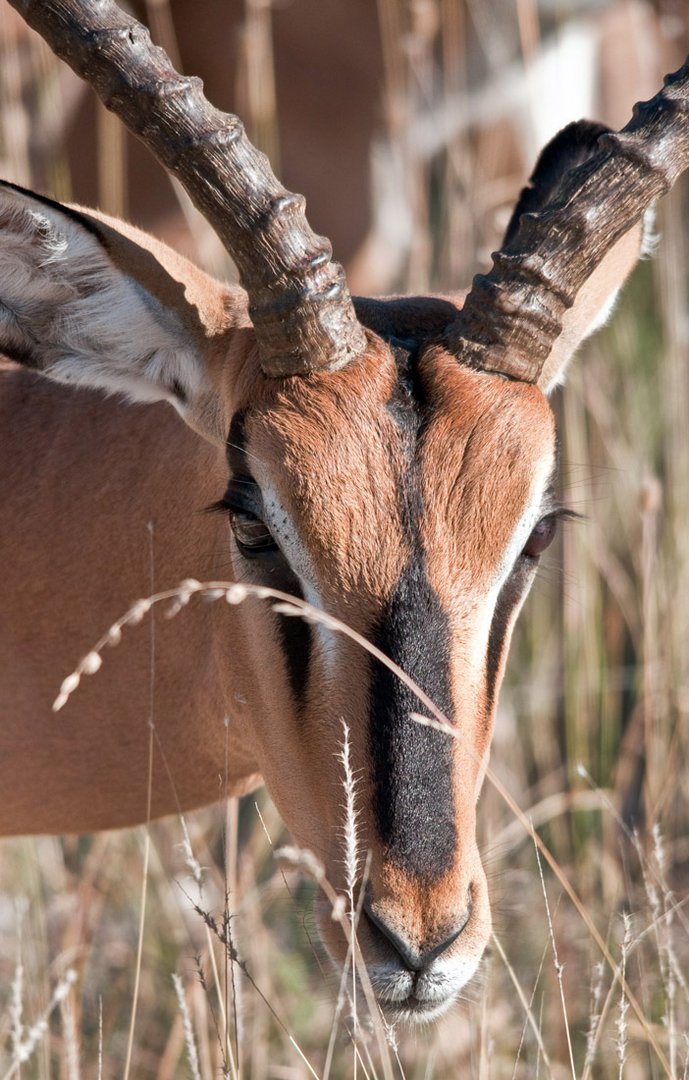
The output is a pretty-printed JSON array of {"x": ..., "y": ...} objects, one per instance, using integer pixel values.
[
  {"x": 415, "y": 998},
  {"x": 412, "y": 986},
  {"x": 414, "y": 1011}
]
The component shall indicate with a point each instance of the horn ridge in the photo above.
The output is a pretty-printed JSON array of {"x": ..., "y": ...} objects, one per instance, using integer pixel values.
[
  {"x": 298, "y": 297},
  {"x": 513, "y": 314}
]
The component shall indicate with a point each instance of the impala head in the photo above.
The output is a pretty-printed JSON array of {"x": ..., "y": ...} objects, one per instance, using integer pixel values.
[
  {"x": 410, "y": 498},
  {"x": 393, "y": 463}
]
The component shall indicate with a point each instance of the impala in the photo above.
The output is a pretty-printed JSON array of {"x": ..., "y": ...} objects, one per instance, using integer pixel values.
[{"x": 392, "y": 462}]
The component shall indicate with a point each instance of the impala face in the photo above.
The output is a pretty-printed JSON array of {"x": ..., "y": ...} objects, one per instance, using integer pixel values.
[{"x": 409, "y": 497}]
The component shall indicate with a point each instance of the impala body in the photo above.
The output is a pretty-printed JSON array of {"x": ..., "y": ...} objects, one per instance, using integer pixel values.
[
  {"x": 391, "y": 462},
  {"x": 402, "y": 492}
]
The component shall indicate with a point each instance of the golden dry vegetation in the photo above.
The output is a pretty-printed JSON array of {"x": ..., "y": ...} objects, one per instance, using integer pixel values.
[{"x": 588, "y": 972}]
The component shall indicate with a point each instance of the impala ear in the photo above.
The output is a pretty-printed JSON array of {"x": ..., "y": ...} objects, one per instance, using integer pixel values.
[
  {"x": 95, "y": 303},
  {"x": 595, "y": 301}
]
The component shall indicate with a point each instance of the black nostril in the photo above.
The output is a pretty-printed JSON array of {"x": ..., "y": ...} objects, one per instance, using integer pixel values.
[{"x": 413, "y": 958}]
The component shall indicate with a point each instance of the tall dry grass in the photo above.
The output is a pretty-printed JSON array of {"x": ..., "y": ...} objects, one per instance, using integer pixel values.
[{"x": 105, "y": 954}]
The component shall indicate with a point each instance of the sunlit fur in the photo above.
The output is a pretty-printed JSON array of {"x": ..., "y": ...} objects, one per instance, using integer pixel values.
[{"x": 103, "y": 502}]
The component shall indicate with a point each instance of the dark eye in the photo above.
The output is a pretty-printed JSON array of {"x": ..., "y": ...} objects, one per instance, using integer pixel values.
[
  {"x": 252, "y": 534},
  {"x": 541, "y": 537}
]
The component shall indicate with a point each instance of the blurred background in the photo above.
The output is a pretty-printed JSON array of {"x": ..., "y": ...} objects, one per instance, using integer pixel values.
[{"x": 410, "y": 126}]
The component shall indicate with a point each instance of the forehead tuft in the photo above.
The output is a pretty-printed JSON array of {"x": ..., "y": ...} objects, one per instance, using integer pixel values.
[
  {"x": 483, "y": 420},
  {"x": 487, "y": 458}
]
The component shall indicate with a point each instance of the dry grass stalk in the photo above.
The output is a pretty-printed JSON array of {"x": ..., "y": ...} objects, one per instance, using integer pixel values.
[
  {"x": 32, "y": 1037},
  {"x": 189, "y": 1040},
  {"x": 597, "y": 973},
  {"x": 621, "y": 1042},
  {"x": 70, "y": 1039},
  {"x": 309, "y": 865},
  {"x": 100, "y": 1038},
  {"x": 559, "y": 969},
  {"x": 351, "y": 861},
  {"x": 526, "y": 1005},
  {"x": 589, "y": 687},
  {"x": 235, "y": 593}
]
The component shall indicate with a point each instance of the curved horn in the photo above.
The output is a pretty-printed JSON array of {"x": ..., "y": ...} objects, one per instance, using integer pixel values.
[
  {"x": 298, "y": 297},
  {"x": 513, "y": 314}
]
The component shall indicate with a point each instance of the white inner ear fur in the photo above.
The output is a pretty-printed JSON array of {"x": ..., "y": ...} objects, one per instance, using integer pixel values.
[
  {"x": 78, "y": 318},
  {"x": 597, "y": 298}
]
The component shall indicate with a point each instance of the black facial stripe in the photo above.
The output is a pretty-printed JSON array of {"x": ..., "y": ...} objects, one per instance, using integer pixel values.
[
  {"x": 295, "y": 637},
  {"x": 236, "y": 445},
  {"x": 413, "y": 800},
  {"x": 510, "y": 595},
  {"x": 508, "y": 598},
  {"x": 274, "y": 571},
  {"x": 407, "y": 400}
]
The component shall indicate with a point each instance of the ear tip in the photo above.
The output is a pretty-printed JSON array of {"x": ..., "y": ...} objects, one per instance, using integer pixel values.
[
  {"x": 580, "y": 134},
  {"x": 571, "y": 147}
]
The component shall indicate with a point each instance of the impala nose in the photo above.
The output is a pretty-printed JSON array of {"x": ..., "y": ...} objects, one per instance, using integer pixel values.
[{"x": 414, "y": 959}]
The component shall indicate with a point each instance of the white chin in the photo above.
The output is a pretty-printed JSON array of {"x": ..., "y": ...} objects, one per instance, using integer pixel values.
[{"x": 414, "y": 1012}]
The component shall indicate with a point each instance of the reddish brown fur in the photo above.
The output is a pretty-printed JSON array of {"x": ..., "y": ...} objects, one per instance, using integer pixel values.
[
  {"x": 335, "y": 456},
  {"x": 321, "y": 443},
  {"x": 82, "y": 479}
]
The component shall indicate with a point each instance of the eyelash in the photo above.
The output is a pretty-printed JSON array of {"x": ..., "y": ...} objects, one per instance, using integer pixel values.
[
  {"x": 218, "y": 507},
  {"x": 557, "y": 514},
  {"x": 252, "y": 536},
  {"x": 543, "y": 534},
  {"x": 564, "y": 513}
]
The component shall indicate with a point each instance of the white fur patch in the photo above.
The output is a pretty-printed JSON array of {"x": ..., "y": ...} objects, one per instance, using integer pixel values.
[
  {"x": 476, "y": 635},
  {"x": 528, "y": 521},
  {"x": 67, "y": 310},
  {"x": 434, "y": 989},
  {"x": 296, "y": 552}
]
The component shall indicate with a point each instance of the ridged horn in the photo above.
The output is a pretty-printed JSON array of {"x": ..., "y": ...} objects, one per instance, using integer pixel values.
[
  {"x": 513, "y": 314},
  {"x": 299, "y": 301}
]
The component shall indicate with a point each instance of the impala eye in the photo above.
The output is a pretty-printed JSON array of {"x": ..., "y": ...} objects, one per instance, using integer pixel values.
[
  {"x": 541, "y": 537},
  {"x": 252, "y": 535}
]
